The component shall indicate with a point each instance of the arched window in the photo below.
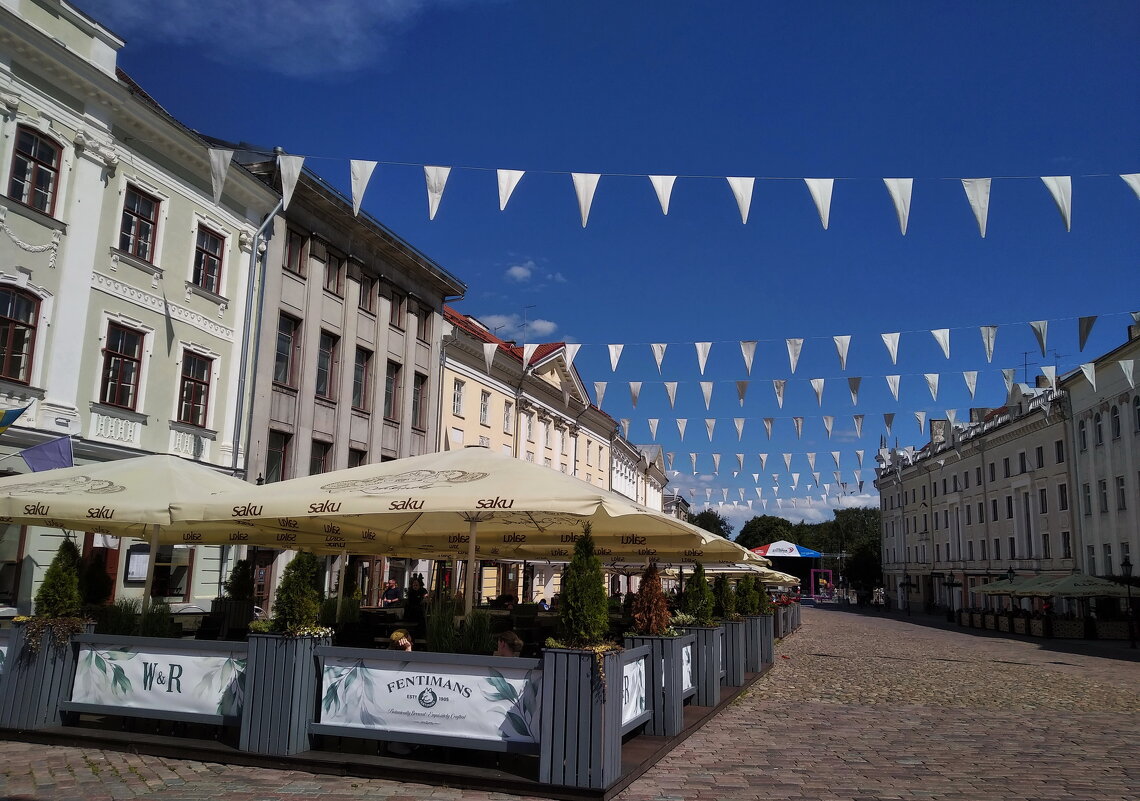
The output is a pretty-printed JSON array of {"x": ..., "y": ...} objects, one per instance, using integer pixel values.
[
  {"x": 35, "y": 170},
  {"x": 1098, "y": 429},
  {"x": 1082, "y": 439},
  {"x": 19, "y": 311},
  {"x": 1115, "y": 417}
]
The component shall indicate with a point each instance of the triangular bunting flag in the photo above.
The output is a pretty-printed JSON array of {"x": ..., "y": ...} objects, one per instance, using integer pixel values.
[
  {"x": 853, "y": 385},
  {"x": 989, "y": 337},
  {"x": 290, "y": 168},
  {"x": 942, "y": 337},
  {"x": 893, "y": 384},
  {"x": 658, "y": 349},
  {"x": 820, "y": 189},
  {"x": 742, "y": 191},
  {"x": 1085, "y": 327},
  {"x": 741, "y": 389},
  {"x": 768, "y": 426},
  {"x": 817, "y": 387},
  {"x": 971, "y": 379},
  {"x": 219, "y": 167},
  {"x": 703, "y": 349},
  {"x": 706, "y": 391},
  {"x": 828, "y": 423},
  {"x": 1008, "y": 374},
  {"x": 859, "y": 457},
  {"x": 1050, "y": 373},
  {"x": 489, "y": 349},
  {"x": 571, "y": 350},
  {"x": 811, "y": 460},
  {"x": 932, "y": 384},
  {"x": 716, "y": 463},
  {"x": 1061, "y": 188},
  {"x": 900, "y": 189},
  {"x": 842, "y": 344},
  {"x": 1133, "y": 180},
  {"x": 951, "y": 416},
  {"x": 794, "y": 348},
  {"x": 671, "y": 456},
  {"x": 921, "y": 418},
  {"x": 682, "y": 424},
  {"x": 787, "y": 461},
  {"x": 978, "y": 193},
  {"x": 888, "y": 421},
  {"x": 798, "y": 422},
  {"x": 634, "y": 392},
  {"x": 615, "y": 354},
  {"x": 528, "y": 353},
  {"x": 360, "y": 173},
  {"x": 653, "y": 428},
  {"x": 1089, "y": 369},
  {"x": 748, "y": 350},
  {"x": 663, "y": 186},
  {"x": 858, "y": 419},
  {"x": 778, "y": 384},
  {"x": 763, "y": 461},
  {"x": 710, "y": 424},
  {"x": 436, "y": 178},
  {"x": 599, "y": 391},
  {"x": 739, "y": 423},
  {"x": 585, "y": 183},
  {"x": 1041, "y": 331},
  {"x": 508, "y": 180},
  {"x": 693, "y": 462},
  {"x": 671, "y": 393},
  {"x": 625, "y": 427},
  {"x": 1126, "y": 367},
  {"x": 835, "y": 457},
  {"x": 892, "y": 343}
]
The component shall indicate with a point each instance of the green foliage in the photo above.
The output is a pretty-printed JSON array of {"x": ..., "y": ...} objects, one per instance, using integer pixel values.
[
  {"x": 724, "y": 599},
  {"x": 697, "y": 599},
  {"x": 440, "y": 633},
  {"x": 239, "y": 585},
  {"x": 475, "y": 635},
  {"x": 766, "y": 605},
  {"x": 747, "y": 596},
  {"x": 349, "y": 611},
  {"x": 59, "y": 596},
  {"x": 95, "y": 585},
  {"x": 298, "y": 600},
  {"x": 583, "y": 613},
  {"x": 120, "y": 618},
  {"x": 650, "y": 609},
  {"x": 158, "y": 621},
  {"x": 712, "y": 521},
  {"x": 762, "y": 530}
]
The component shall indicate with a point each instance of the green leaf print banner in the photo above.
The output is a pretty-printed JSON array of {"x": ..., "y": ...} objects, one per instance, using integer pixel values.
[
  {"x": 155, "y": 678},
  {"x": 476, "y": 702}
]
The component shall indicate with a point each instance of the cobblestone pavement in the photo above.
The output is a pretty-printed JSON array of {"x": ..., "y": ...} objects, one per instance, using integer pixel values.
[{"x": 857, "y": 707}]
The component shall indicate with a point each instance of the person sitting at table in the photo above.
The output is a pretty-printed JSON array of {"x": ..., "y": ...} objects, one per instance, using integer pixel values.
[
  {"x": 510, "y": 644},
  {"x": 391, "y": 594},
  {"x": 542, "y": 604},
  {"x": 400, "y": 640}
]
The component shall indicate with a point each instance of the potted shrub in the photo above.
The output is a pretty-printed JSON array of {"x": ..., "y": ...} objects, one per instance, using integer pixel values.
[
  {"x": 732, "y": 648},
  {"x": 282, "y": 666},
  {"x": 748, "y": 606},
  {"x": 666, "y": 672},
  {"x": 697, "y": 601},
  {"x": 581, "y": 659},
  {"x": 40, "y": 663},
  {"x": 233, "y": 611}
]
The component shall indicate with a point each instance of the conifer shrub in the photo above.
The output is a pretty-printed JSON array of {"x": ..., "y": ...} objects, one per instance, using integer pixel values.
[
  {"x": 747, "y": 596},
  {"x": 650, "y": 608},
  {"x": 58, "y": 595},
  {"x": 584, "y": 611},
  {"x": 724, "y": 599},
  {"x": 239, "y": 585},
  {"x": 697, "y": 599},
  {"x": 297, "y": 605}
]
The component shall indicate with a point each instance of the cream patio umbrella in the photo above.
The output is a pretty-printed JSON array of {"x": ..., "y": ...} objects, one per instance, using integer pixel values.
[
  {"x": 491, "y": 504},
  {"x": 121, "y": 498},
  {"x": 1074, "y": 585}
]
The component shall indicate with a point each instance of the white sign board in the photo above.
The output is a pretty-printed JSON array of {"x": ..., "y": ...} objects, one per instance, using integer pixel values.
[
  {"x": 445, "y": 700},
  {"x": 687, "y": 672},
  {"x": 152, "y": 677},
  {"x": 632, "y": 690}
]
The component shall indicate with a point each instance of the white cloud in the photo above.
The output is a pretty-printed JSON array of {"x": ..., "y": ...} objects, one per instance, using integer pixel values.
[
  {"x": 510, "y": 326},
  {"x": 291, "y": 37},
  {"x": 541, "y": 328},
  {"x": 557, "y": 278},
  {"x": 519, "y": 273}
]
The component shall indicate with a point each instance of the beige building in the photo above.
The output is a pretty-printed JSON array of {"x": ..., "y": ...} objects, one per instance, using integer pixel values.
[
  {"x": 122, "y": 283},
  {"x": 1104, "y": 427}
]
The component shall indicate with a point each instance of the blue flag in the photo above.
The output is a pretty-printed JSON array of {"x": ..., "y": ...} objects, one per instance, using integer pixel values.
[
  {"x": 11, "y": 416},
  {"x": 49, "y": 455}
]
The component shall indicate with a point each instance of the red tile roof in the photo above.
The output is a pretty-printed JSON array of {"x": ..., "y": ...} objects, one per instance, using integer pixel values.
[{"x": 475, "y": 329}]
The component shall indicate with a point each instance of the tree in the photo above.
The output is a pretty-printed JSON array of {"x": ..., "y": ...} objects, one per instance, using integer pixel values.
[
  {"x": 298, "y": 601},
  {"x": 747, "y": 596},
  {"x": 239, "y": 586},
  {"x": 650, "y": 609},
  {"x": 763, "y": 530},
  {"x": 724, "y": 599},
  {"x": 584, "y": 617},
  {"x": 712, "y": 521},
  {"x": 697, "y": 599},
  {"x": 58, "y": 596}
]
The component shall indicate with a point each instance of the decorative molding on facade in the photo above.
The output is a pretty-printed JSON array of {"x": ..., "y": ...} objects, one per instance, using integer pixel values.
[
  {"x": 123, "y": 427},
  {"x": 104, "y": 153},
  {"x": 52, "y": 247},
  {"x": 191, "y": 441},
  {"x": 140, "y": 297}
]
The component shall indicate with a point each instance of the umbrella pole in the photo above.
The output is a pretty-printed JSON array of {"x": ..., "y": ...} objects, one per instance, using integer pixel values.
[
  {"x": 340, "y": 585},
  {"x": 148, "y": 585},
  {"x": 469, "y": 599}
]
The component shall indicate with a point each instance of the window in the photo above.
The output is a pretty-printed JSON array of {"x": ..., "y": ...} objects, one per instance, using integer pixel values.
[
  {"x": 194, "y": 391},
  {"x": 1102, "y": 492},
  {"x": 938, "y": 552},
  {"x": 981, "y": 513},
  {"x": 965, "y": 480},
  {"x": 1009, "y": 507},
  {"x": 19, "y": 312},
  {"x": 1088, "y": 498},
  {"x": 924, "y": 492},
  {"x": 1136, "y": 413},
  {"x": 334, "y": 273},
  {"x": 208, "y": 260},
  {"x": 326, "y": 365},
  {"x": 362, "y": 379},
  {"x": 288, "y": 337},
  {"x": 982, "y": 546},
  {"x": 530, "y": 429},
  {"x": 1121, "y": 501},
  {"x": 357, "y": 457},
  {"x": 978, "y": 475},
  {"x": 1098, "y": 429},
  {"x": 295, "y": 253},
  {"x": 35, "y": 171},
  {"x": 423, "y": 323},
  {"x": 936, "y": 521},
  {"x": 970, "y": 549},
  {"x": 1107, "y": 550},
  {"x": 419, "y": 393},
  {"x": 367, "y": 299},
  {"x": 1022, "y": 463},
  {"x": 946, "y": 519},
  {"x": 1063, "y": 497},
  {"x": 993, "y": 509},
  {"x": 1066, "y": 545},
  {"x": 954, "y": 484},
  {"x": 1012, "y": 548},
  {"x": 277, "y": 456},
  {"x": 173, "y": 566},
  {"x": 1059, "y": 451},
  {"x": 969, "y": 512},
  {"x": 1114, "y": 417},
  {"x": 1040, "y": 454},
  {"x": 1045, "y": 547},
  {"x": 993, "y": 475},
  {"x": 392, "y": 391},
  {"x": 122, "y": 364},
  {"x": 140, "y": 221},
  {"x": 319, "y": 457},
  {"x": 396, "y": 308},
  {"x": 1043, "y": 500},
  {"x": 457, "y": 398},
  {"x": 1005, "y": 467},
  {"x": 484, "y": 407},
  {"x": 1091, "y": 566},
  {"x": 508, "y": 417}
]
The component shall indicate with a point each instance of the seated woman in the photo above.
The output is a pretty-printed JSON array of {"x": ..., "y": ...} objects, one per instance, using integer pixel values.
[
  {"x": 510, "y": 644},
  {"x": 400, "y": 640}
]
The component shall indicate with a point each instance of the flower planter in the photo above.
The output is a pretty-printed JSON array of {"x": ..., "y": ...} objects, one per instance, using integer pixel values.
[
  {"x": 1112, "y": 629},
  {"x": 976, "y": 620},
  {"x": 1037, "y": 627},
  {"x": 581, "y": 719},
  {"x": 1019, "y": 626},
  {"x": 990, "y": 620},
  {"x": 754, "y": 642},
  {"x": 1069, "y": 629},
  {"x": 667, "y": 670},
  {"x": 1003, "y": 623},
  {"x": 733, "y": 648},
  {"x": 33, "y": 685},
  {"x": 282, "y": 680},
  {"x": 706, "y": 663},
  {"x": 963, "y": 618},
  {"x": 767, "y": 640}
]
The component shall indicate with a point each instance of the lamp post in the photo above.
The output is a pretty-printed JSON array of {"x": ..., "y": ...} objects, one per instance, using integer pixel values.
[
  {"x": 1126, "y": 569},
  {"x": 950, "y": 584},
  {"x": 907, "y": 584},
  {"x": 1011, "y": 574}
]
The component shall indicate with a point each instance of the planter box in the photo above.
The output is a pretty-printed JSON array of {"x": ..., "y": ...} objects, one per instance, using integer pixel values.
[
  {"x": 733, "y": 652},
  {"x": 991, "y": 621},
  {"x": 1019, "y": 626},
  {"x": 32, "y": 686},
  {"x": 754, "y": 642},
  {"x": 1069, "y": 629},
  {"x": 1003, "y": 623},
  {"x": 282, "y": 682},
  {"x": 1112, "y": 629},
  {"x": 581, "y": 719},
  {"x": 767, "y": 640},
  {"x": 1037, "y": 627},
  {"x": 667, "y": 671},
  {"x": 707, "y": 663},
  {"x": 963, "y": 618},
  {"x": 233, "y": 617}
]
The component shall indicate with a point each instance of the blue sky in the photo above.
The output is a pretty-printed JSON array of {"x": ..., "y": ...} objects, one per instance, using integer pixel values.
[{"x": 853, "y": 91}]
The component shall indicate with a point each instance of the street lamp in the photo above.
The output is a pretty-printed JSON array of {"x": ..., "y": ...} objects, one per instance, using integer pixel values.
[
  {"x": 1126, "y": 569},
  {"x": 950, "y": 584},
  {"x": 1011, "y": 574},
  {"x": 908, "y": 585}
]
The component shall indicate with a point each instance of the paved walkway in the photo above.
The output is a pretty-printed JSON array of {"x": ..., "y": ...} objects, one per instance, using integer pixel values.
[{"x": 857, "y": 707}]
